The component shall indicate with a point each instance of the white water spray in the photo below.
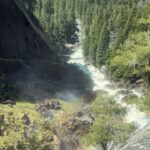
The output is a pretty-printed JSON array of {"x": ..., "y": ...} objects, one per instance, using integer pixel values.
[{"x": 101, "y": 83}]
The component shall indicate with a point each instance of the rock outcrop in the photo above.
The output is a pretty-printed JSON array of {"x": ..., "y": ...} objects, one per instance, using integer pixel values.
[{"x": 139, "y": 141}]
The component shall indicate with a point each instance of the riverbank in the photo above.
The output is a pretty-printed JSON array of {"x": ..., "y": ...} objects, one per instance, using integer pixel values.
[{"x": 102, "y": 83}]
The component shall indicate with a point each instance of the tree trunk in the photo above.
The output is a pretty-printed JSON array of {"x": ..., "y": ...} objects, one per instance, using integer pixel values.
[{"x": 104, "y": 145}]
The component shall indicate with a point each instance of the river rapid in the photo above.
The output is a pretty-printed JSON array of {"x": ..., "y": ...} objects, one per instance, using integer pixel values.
[{"x": 101, "y": 82}]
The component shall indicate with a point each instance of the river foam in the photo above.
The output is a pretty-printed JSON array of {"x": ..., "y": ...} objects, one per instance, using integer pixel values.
[{"x": 101, "y": 82}]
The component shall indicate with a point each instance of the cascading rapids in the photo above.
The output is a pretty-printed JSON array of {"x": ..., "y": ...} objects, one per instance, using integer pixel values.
[{"x": 101, "y": 83}]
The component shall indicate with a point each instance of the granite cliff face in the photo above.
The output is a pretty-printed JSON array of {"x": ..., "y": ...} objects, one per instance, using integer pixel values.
[
  {"x": 21, "y": 40},
  {"x": 25, "y": 54},
  {"x": 29, "y": 65},
  {"x": 139, "y": 141}
]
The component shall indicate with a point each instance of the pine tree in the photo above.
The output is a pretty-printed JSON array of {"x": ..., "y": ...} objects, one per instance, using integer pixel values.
[{"x": 102, "y": 49}]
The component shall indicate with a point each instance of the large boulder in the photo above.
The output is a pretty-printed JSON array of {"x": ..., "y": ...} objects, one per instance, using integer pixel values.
[
  {"x": 128, "y": 97},
  {"x": 9, "y": 102},
  {"x": 122, "y": 92},
  {"x": 139, "y": 82},
  {"x": 26, "y": 120}
]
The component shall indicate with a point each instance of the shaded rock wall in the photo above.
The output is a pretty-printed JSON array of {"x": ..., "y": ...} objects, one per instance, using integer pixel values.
[
  {"x": 25, "y": 54},
  {"x": 19, "y": 41},
  {"x": 29, "y": 65}
]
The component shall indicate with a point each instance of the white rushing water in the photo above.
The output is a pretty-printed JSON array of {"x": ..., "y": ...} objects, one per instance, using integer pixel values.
[{"x": 102, "y": 83}]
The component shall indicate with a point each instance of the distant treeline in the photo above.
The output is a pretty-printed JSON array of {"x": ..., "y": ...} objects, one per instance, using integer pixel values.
[
  {"x": 57, "y": 18},
  {"x": 117, "y": 35}
]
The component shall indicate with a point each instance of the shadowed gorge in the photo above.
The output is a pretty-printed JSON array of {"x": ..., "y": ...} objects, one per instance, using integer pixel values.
[
  {"x": 28, "y": 63},
  {"x": 74, "y": 74}
]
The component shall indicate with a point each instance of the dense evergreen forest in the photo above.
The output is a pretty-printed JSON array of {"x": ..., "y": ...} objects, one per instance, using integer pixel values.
[
  {"x": 34, "y": 67},
  {"x": 57, "y": 18},
  {"x": 117, "y": 35},
  {"x": 117, "y": 32}
]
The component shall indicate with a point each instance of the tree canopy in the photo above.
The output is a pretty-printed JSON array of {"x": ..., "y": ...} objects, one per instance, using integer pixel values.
[{"x": 109, "y": 125}]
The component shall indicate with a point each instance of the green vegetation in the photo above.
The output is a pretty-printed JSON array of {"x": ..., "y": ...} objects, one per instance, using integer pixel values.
[
  {"x": 23, "y": 126},
  {"x": 109, "y": 125},
  {"x": 15, "y": 134},
  {"x": 57, "y": 18},
  {"x": 117, "y": 34},
  {"x": 133, "y": 58},
  {"x": 143, "y": 103},
  {"x": 107, "y": 24}
]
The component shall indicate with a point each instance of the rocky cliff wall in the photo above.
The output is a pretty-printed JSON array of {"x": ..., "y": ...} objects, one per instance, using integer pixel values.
[{"x": 140, "y": 140}]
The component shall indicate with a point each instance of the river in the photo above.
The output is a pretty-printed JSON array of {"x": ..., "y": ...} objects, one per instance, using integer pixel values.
[{"x": 102, "y": 83}]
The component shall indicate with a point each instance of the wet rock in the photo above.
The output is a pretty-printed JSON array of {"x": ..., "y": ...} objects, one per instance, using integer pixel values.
[
  {"x": 55, "y": 105},
  {"x": 123, "y": 92},
  {"x": 78, "y": 126},
  {"x": 121, "y": 84},
  {"x": 2, "y": 131},
  {"x": 139, "y": 82},
  {"x": 26, "y": 132},
  {"x": 9, "y": 102},
  {"x": 68, "y": 145},
  {"x": 80, "y": 122},
  {"x": 26, "y": 120},
  {"x": 2, "y": 118},
  {"x": 128, "y": 97},
  {"x": 48, "y": 115},
  {"x": 89, "y": 96},
  {"x": 80, "y": 114},
  {"x": 47, "y": 109},
  {"x": 101, "y": 92},
  {"x": 110, "y": 86},
  {"x": 42, "y": 108}
]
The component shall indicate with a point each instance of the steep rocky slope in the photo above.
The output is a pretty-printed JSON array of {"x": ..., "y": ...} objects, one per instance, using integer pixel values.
[
  {"x": 24, "y": 52},
  {"x": 139, "y": 141},
  {"x": 29, "y": 65},
  {"x": 20, "y": 41}
]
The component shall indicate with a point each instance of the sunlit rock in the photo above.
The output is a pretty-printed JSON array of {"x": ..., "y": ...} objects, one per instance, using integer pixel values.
[
  {"x": 128, "y": 97},
  {"x": 139, "y": 141},
  {"x": 26, "y": 119}
]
